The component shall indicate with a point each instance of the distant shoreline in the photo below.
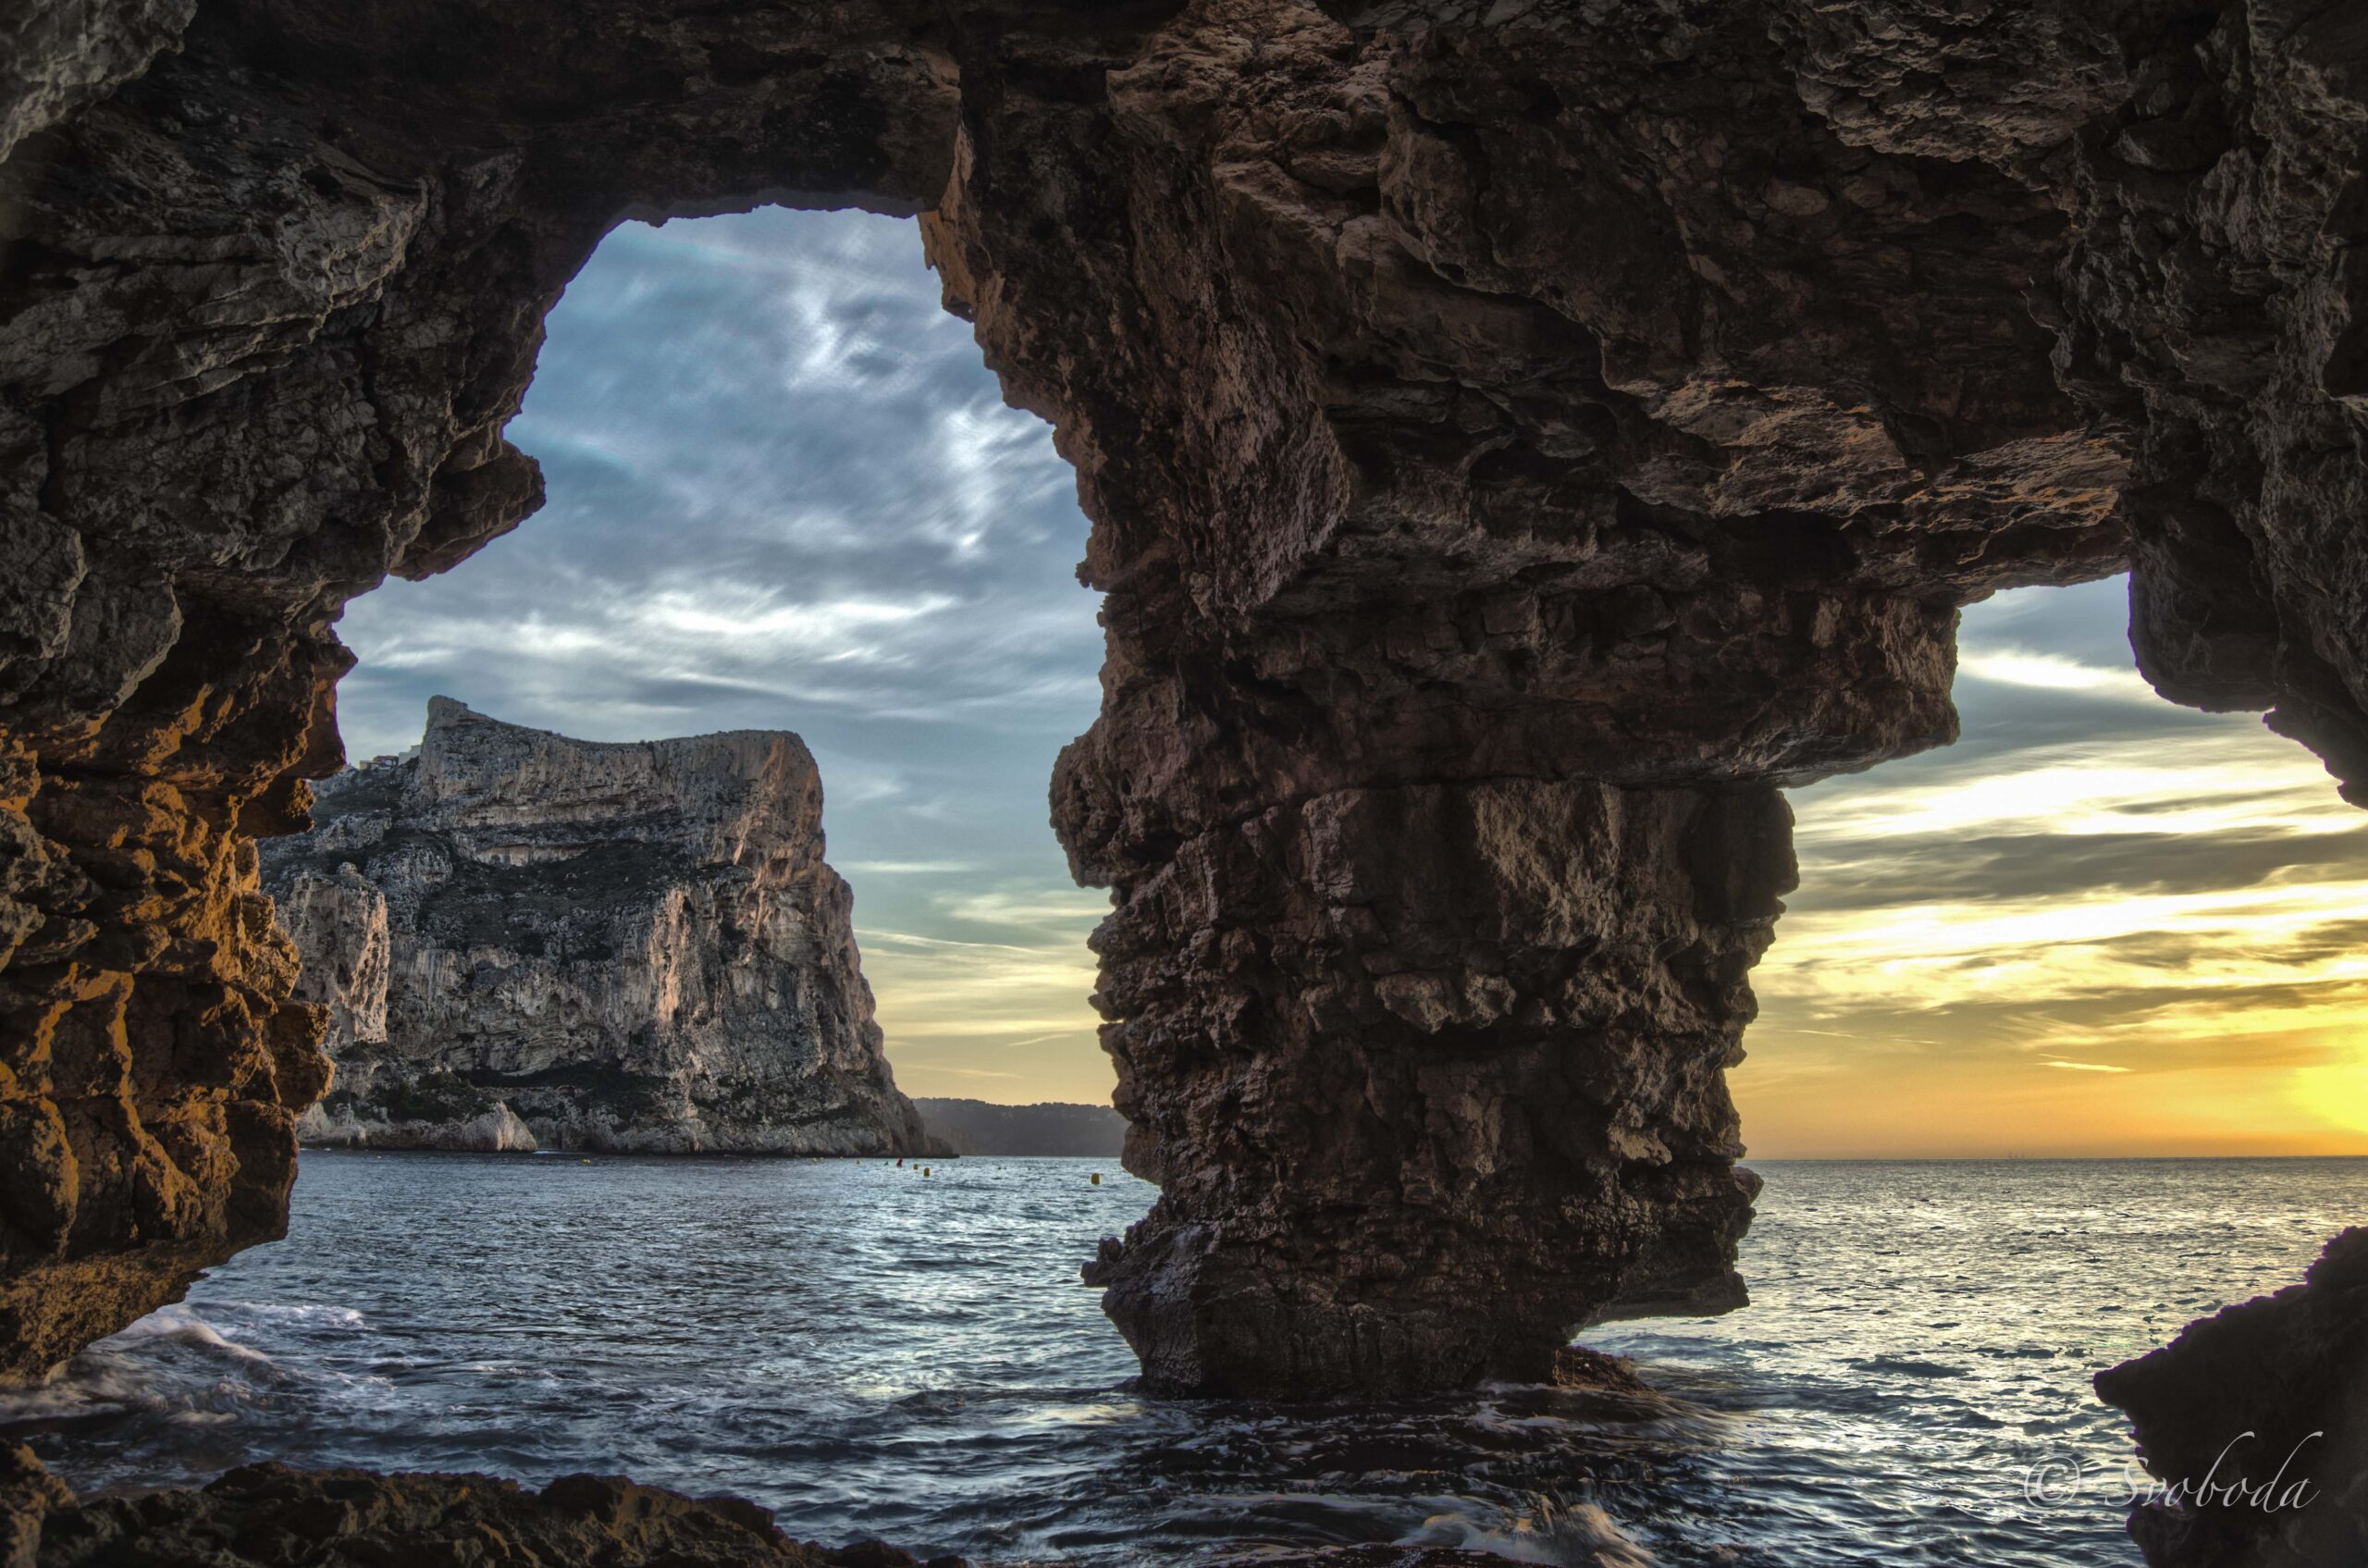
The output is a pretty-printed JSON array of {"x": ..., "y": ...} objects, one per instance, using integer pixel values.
[
  {"x": 1047, "y": 1130},
  {"x": 1048, "y": 1127},
  {"x": 564, "y": 1155}
]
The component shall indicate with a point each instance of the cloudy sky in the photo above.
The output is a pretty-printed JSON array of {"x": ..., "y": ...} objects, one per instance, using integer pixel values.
[
  {"x": 2098, "y": 923},
  {"x": 785, "y": 494}
]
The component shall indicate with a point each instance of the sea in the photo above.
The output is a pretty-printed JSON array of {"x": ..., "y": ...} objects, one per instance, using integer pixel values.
[{"x": 906, "y": 1352}]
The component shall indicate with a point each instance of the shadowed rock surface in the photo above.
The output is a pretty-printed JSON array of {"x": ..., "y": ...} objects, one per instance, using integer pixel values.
[
  {"x": 271, "y": 1516},
  {"x": 1520, "y": 440},
  {"x": 974, "y": 1126},
  {"x": 2255, "y": 1423},
  {"x": 525, "y": 940}
]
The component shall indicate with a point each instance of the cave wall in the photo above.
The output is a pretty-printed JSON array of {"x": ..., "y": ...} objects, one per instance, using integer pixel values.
[{"x": 1519, "y": 440}]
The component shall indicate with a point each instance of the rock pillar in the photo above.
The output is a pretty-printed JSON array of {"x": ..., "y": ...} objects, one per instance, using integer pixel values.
[{"x": 1430, "y": 1075}]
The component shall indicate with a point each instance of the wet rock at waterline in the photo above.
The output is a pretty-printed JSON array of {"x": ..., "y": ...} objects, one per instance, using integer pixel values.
[
  {"x": 526, "y": 941},
  {"x": 270, "y": 1516}
]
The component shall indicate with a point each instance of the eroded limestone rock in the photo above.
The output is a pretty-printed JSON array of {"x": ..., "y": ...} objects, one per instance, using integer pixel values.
[
  {"x": 1471, "y": 1043},
  {"x": 525, "y": 941}
]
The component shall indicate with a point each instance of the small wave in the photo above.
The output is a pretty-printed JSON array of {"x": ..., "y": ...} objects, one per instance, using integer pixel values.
[
  {"x": 171, "y": 1364},
  {"x": 1063, "y": 1403},
  {"x": 181, "y": 1326},
  {"x": 301, "y": 1312},
  {"x": 85, "y": 1386},
  {"x": 934, "y": 1402},
  {"x": 203, "y": 1417},
  {"x": 1905, "y": 1366},
  {"x": 1565, "y": 1535}
]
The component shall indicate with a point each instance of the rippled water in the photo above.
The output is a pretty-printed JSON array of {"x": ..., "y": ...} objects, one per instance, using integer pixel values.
[{"x": 876, "y": 1352}]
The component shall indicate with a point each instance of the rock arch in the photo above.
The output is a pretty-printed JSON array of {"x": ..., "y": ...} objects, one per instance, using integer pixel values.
[{"x": 1519, "y": 440}]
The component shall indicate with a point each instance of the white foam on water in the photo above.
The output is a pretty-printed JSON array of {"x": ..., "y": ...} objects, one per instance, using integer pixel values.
[
  {"x": 305, "y": 1312},
  {"x": 181, "y": 1325},
  {"x": 1562, "y": 1535}
]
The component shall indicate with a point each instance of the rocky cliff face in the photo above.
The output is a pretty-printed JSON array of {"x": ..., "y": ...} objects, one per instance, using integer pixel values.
[
  {"x": 1519, "y": 439},
  {"x": 525, "y": 940}
]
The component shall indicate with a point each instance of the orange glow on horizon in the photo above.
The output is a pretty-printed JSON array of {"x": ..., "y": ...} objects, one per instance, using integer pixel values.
[{"x": 2144, "y": 932}]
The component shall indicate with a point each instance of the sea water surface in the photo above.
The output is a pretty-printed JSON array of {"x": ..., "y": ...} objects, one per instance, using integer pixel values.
[{"x": 874, "y": 1351}]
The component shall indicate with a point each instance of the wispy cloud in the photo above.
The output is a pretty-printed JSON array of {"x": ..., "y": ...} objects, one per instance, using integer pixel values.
[
  {"x": 785, "y": 492},
  {"x": 1014, "y": 983},
  {"x": 2096, "y": 883},
  {"x": 2053, "y": 672}
]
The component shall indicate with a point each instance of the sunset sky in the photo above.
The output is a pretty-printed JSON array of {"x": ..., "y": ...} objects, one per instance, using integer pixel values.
[
  {"x": 2099, "y": 924},
  {"x": 784, "y": 493}
]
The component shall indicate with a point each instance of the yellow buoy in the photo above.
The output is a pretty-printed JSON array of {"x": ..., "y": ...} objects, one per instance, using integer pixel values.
[
  {"x": 1097, "y": 1179},
  {"x": 924, "y": 1170}
]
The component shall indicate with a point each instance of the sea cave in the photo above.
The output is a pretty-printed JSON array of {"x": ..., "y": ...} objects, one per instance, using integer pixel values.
[{"x": 1520, "y": 442}]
